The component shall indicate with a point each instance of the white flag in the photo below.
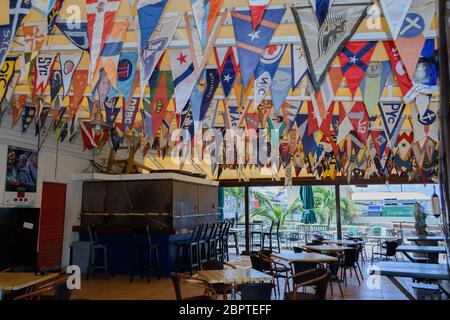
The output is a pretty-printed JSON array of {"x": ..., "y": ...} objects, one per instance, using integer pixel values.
[
  {"x": 395, "y": 12},
  {"x": 184, "y": 77},
  {"x": 69, "y": 63}
]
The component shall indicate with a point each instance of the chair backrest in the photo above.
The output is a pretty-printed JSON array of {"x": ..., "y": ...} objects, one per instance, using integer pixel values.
[
  {"x": 57, "y": 286},
  {"x": 258, "y": 225},
  {"x": 350, "y": 257},
  {"x": 199, "y": 232},
  {"x": 213, "y": 231},
  {"x": 260, "y": 264},
  {"x": 391, "y": 247},
  {"x": 276, "y": 226},
  {"x": 265, "y": 253},
  {"x": 194, "y": 232},
  {"x": 212, "y": 265},
  {"x": 321, "y": 283},
  {"x": 297, "y": 250},
  {"x": 93, "y": 236},
  {"x": 301, "y": 267},
  {"x": 205, "y": 231},
  {"x": 256, "y": 291}
]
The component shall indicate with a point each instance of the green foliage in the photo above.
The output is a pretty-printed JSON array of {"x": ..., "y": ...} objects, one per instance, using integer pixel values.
[
  {"x": 273, "y": 212},
  {"x": 238, "y": 194},
  {"x": 325, "y": 206}
]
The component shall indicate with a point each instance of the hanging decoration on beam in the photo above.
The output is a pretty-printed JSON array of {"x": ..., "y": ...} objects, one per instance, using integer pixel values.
[
  {"x": 151, "y": 53},
  {"x": 68, "y": 63},
  {"x": 42, "y": 71},
  {"x": 4, "y": 107},
  {"x": 228, "y": 65},
  {"x": 257, "y": 10},
  {"x": 80, "y": 78},
  {"x": 354, "y": 59},
  {"x": 205, "y": 13},
  {"x": 280, "y": 87},
  {"x": 201, "y": 48},
  {"x": 426, "y": 124},
  {"x": 411, "y": 38},
  {"x": 299, "y": 65},
  {"x": 391, "y": 114},
  {"x": 373, "y": 84},
  {"x": 184, "y": 77},
  {"x": 161, "y": 91},
  {"x": 126, "y": 73},
  {"x": 111, "y": 111},
  {"x": 212, "y": 83},
  {"x": 251, "y": 43},
  {"x": 76, "y": 33},
  {"x": 17, "y": 109},
  {"x": 34, "y": 37},
  {"x": 322, "y": 40},
  {"x": 100, "y": 19},
  {"x": 18, "y": 10},
  {"x": 130, "y": 107},
  {"x": 395, "y": 12},
  {"x": 265, "y": 71},
  {"x": 28, "y": 115},
  {"x": 6, "y": 74},
  {"x": 54, "y": 6}
]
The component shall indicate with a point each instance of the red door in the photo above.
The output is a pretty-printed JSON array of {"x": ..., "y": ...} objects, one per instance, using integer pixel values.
[{"x": 51, "y": 227}]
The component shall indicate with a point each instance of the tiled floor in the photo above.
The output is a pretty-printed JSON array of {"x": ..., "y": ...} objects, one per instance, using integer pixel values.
[{"x": 119, "y": 287}]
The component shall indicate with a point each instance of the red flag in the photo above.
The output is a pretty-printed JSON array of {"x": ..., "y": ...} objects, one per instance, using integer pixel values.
[
  {"x": 160, "y": 99},
  {"x": 354, "y": 59},
  {"x": 17, "y": 109},
  {"x": 397, "y": 65},
  {"x": 360, "y": 120},
  {"x": 79, "y": 84},
  {"x": 257, "y": 9},
  {"x": 252, "y": 120},
  {"x": 325, "y": 126},
  {"x": 313, "y": 126},
  {"x": 90, "y": 139}
]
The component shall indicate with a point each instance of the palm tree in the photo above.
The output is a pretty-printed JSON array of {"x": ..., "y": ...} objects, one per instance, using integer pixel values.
[
  {"x": 325, "y": 206},
  {"x": 237, "y": 194},
  {"x": 273, "y": 212}
]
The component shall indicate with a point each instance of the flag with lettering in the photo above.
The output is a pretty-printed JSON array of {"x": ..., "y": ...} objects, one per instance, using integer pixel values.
[
  {"x": 126, "y": 73},
  {"x": 18, "y": 10},
  {"x": 299, "y": 65},
  {"x": 184, "y": 77},
  {"x": 391, "y": 115},
  {"x": 54, "y": 6},
  {"x": 252, "y": 43},
  {"x": 76, "y": 33},
  {"x": 228, "y": 65},
  {"x": 403, "y": 80},
  {"x": 354, "y": 59},
  {"x": 100, "y": 18},
  {"x": 211, "y": 85},
  {"x": 111, "y": 110},
  {"x": 151, "y": 53},
  {"x": 360, "y": 120},
  {"x": 265, "y": 71},
  {"x": 68, "y": 63},
  {"x": 6, "y": 74},
  {"x": 42, "y": 71}
]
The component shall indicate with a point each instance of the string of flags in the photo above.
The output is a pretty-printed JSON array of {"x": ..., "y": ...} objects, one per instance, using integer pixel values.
[{"x": 318, "y": 134}]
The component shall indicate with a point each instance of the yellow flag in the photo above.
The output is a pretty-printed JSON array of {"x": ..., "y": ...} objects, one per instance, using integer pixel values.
[{"x": 5, "y": 75}]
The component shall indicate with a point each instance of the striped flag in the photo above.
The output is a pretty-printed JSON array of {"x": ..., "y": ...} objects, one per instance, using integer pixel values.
[{"x": 184, "y": 77}]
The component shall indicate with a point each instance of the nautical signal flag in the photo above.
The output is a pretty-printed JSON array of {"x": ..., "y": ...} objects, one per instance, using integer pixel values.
[
  {"x": 257, "y": 9},
  {"x": 228, "y": 65},
  {"x": 252, "y": 43},
  {"x": 354, "y": 59}
]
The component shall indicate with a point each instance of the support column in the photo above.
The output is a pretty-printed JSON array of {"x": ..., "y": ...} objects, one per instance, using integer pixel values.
[
  {"x": 337, "y": 191},
  {"x": 247, "y": 221}
]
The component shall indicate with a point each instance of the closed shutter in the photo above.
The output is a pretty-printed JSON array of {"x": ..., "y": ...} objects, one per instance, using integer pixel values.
[{"x": 51, "y": 227}]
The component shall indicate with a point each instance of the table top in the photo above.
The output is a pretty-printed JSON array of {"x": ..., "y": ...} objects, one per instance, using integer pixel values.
[
  {"x": 426, "y": 238},
  {"x": 12, "y": 281},
  {"x": 304, "y": 257},
  {"x": 343, "y": 242},
  {"x": 231, "y": 276},
  {"x": 325, "y": 248},
  {"x": 411, "y": 270},
  {"x": 381, "y": 237},
  {"x": 422, "y": 249}
]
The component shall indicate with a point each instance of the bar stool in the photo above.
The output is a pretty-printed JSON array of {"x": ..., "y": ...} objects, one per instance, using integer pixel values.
[
  {"x": 257, "y": 224},
  {"x": 144, "y": 247},
  {"x": 234, "y": 233},
  {"x": 94, "y": 247},
  {"x": 223, "y": 241},
  {"x": 219, "y": 243},
  {"x": 189, "y": 256},
  {"x": 203, "y": 246},
  {"x": 211, "y": 242},
  {"x": 270, "y": 234}
]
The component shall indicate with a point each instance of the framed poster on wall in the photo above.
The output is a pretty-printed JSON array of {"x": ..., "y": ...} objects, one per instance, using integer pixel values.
[{"x": 21, "y": 176}]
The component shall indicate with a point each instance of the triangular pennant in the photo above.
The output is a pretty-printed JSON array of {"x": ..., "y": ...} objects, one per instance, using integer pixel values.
[
  {"x": 373, "y": 84},
  {"x": 160, "y": 93},
  {"x": 403, "y": 80},
  {"x": 205, "y": 13},
  {"x": 395, "y": 12},
  {"x": 29, "y": 113},
  {"x": 411, "y": 37},
  {"x": 199, "y": 53},
  {"x": 55, "y": 84},
  {"x": 322, "y": 42},
  {"x": 359, "y": 120},
  {"x": 76, "y": 33},
  {"x": 6, "y": 76},
  {"x": 184, "y": 77},
  {"x": 100, "y": 18},
  {"x": 79, "y": 81},
  {"x": 211, "y": 85},
  {"x": 280, "y": 86},
  {"x": 391, "y": 114},
  {"x": 17, "y": 109},
  {"x": 126, "y": 74},
  {"x": 265, "y": 71},
  {"x": 90, "y": 139},
  {"x": 42, "y": 71},
  {"x": 34, "y": 36},
  {"x": 4, "y": 107},
  {"x": 210, "y": 117},
  {"x": 257, "y": 9},
  {"x": 227, "y": 64},
  {"x": 68, "y": 63},
  {"x": 111, "y": 111},
  {"x": 290, "y": 111},
  {"x": 251, "y": 43},
  {"x": 299, "y": 65},
  {"x": 18, "y": 10},
  {"x": 54, "y": 6},
  {"x": 354, "y": 59},
  {"x": 151, "y": 53}
]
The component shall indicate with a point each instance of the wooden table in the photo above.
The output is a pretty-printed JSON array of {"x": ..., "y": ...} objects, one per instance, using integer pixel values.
[
  {"x": 304, "y": 257},
  {"x": 410, "y": 270},
  {"x": 417, "y": 239},
  {"x": 343, "y": 242},
  {"x": 325, "y": 248},
  {"x": 420, "y": 249},
  {"x": 233, "y": 277},
  {"x": 12, "y": 281}
]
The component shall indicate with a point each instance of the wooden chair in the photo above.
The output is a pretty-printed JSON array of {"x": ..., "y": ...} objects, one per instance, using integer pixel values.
[
  {"x": 180, "y": 278},
  {"x": 220, "y": 288},
  {"x": 54, "y": 289}
]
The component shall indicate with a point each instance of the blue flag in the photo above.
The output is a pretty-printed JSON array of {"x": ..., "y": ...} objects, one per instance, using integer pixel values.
[
  {"x": 212, "y": 83},
  {"x": 251, "y": 44},
  {"x": 18, "y": 9},
  {"x": 126, "y": 72},
  {"x": 149, "y": 12},
  {"x": 27, "y": 117},
  {"x": 76, "y": 33},
  {"x": 321, "y": 7},
  {"x": 280, "y": 86}
]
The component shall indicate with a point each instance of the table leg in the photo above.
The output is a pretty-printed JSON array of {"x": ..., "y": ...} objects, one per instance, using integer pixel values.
[
  {"x": 409, "y": 257},
  {"x": 233, "y": 292},
  {"x": 402, "y": 288}
]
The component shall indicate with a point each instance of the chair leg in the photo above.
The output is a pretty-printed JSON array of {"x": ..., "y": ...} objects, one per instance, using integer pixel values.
[
  {"x": 106, "y": 263},
  {"x": 356, "y": 273},
  {"x": 360, "y": 272},
  {"x": 340, "y": 289},
  {"x": 150, "y": 265},
  {"x": 278, "y": 241},
  {"x": 331, "y": 287},
  {"x": 133, "y": 265}
]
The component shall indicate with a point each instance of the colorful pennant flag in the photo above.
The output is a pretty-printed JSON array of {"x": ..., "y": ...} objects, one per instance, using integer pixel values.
[
  {"x": 4, "y": 107},
  {"x": 404, "y": 82},
  {"x": 34, "y": 36},
  {"x": 18, "y": 9},
  {"x": 29, "y": 113},
  {"x": 200, "y": 53},
  {"x": 265, "y": 71},
  {"x": 6, "y": 74},
  {"x": 257, "y": 10},
  {"x": 17, "y": 109},
  {"x": 68, "y": 63},
  {"x": 227, "y": 63},
  {"x": 212, "y": 83},
  {"x": 76, "y": 33},
  {"x": 54, "y": 6},
  {"x": 395, "y": 12},
  {"x": 129, "y": 112},
  {"x": 161, "y": 90},
  {"x": 111, "y": 111},
  {"x": 323, "y": 38},
  {"x": 90, "y": 139},
  {"x": 79, "y": 81},
  {"x": 354, "y": 59},
  {"x": 126, "y": 73},
  {"x": 100, "y": 18},
  {"x": 426, "y": 124},
  {"x": 360, "y": 120},
  {"x": 184, "y": 77},
  {"x": 280, "y": 86},
  {"x": 299, "y": 64},
  {"x": 153, "y": 50},
  {"x": 252, "y": 43},
  {"x": 42, "y": 71},
  {"x": 373, "y": 84},
  {"x": 411, "y": 37},
  {"x": 55, "y": 84},
  {"x": 205, "y": 13},
  {"x": 391, "y": 114}
]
